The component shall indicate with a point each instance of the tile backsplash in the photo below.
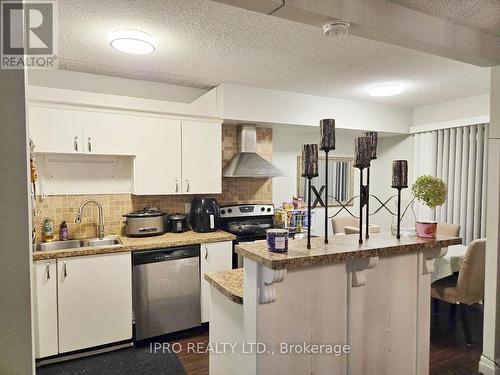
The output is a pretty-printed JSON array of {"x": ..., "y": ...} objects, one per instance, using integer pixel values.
[{"x": 234, "y": 191}]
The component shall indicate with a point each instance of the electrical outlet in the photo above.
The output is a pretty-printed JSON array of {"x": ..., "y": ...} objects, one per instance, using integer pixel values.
[{"x": 187, "y": 208}]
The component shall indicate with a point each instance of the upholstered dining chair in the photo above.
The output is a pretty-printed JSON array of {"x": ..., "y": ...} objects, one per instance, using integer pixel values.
[
  {"x": 468, "y": 287},
  {"x": 339, "y": 223},
  {"x": 446, "y": 229},
  {"x": 373, "y": 228}
]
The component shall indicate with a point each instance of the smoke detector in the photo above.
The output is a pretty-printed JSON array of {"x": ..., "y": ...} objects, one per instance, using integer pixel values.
[{"x": 337, "y": 28}]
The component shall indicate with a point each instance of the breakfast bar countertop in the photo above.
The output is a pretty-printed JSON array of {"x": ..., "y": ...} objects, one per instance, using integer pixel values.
[
  {"x": 339, "y": 249},
  {"x": 137, "y": 244},
  {"x": 229, "y": 283}
]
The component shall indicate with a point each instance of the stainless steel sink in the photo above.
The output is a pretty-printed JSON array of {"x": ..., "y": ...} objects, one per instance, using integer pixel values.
[
  {"x": 106, "y": 241},
  {"x": 73, "y": 244}
]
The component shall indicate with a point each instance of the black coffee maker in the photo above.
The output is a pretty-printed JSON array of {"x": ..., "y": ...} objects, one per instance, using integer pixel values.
[{"x": 205, "y": 215}]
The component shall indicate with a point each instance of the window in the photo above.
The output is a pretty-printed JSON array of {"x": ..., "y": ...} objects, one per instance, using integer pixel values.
[{"x": 340, "y": 179}]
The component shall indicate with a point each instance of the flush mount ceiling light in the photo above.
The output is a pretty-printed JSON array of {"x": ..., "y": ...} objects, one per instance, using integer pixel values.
[
  {"x": 386, "y": 89},
  {"x": 132, "y": 41},
  {"x": 337, "y": 28}
]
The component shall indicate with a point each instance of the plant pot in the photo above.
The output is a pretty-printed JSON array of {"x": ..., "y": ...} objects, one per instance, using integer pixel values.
[{"x": 426, "y": 229}]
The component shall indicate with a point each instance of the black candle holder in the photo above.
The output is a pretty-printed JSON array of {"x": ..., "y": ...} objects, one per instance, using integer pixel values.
[
  {"x": 309, "y": 207},
  {"x": 399, "y": 182},
  {"x": 327, "y": 143},
  {"x": 372, "y": 138}
]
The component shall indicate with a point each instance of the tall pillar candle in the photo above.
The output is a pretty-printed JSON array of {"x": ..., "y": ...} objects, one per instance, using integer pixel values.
[
  {"x": 400, "y": 174},
  {"x": 372, "y": 143},
  {"x": 310, "y": 160},
  {"x": 361, "y": 153},
  {"x": 327, "y": 134}
]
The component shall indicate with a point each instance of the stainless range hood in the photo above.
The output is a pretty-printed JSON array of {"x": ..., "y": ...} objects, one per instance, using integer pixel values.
[{"x": 247, "y": 163}]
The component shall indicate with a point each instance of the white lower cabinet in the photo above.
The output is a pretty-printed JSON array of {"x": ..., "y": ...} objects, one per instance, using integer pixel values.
[
  {"x": 95, "y": 300},
  {"x": 45, "y": 307},
  {"x": 86, "y": 302},
  {"x": 215, "y": 257}
]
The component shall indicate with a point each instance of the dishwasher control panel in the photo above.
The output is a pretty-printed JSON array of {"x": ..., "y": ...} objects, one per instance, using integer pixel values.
[{"x": 162, "y": 255}]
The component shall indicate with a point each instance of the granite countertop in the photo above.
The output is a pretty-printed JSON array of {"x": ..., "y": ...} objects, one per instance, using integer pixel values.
[
  {"x": 229, "y": 283},
  {"x": 137, "y": 244},
  {"x": 340, "y": 249}
]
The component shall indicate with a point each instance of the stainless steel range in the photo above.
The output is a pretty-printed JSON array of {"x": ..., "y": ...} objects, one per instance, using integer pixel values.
[{"x": 248, "y": 222}]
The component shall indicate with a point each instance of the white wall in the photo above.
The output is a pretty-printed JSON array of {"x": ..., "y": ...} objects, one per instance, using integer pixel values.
[
  {"x": 287, "y": 143},
  {"x": 460, "y": 112},
  {"x": 65, "y": 79},
  {"x": 16, "y": 345},
  {"x": 239, "y": 103},
  {"x": 491, "y": 336},
  {"x": 389, "y": 149}
]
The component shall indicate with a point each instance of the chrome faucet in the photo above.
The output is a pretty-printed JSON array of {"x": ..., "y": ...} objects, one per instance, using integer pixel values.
[{"x": 100, "y": 228}]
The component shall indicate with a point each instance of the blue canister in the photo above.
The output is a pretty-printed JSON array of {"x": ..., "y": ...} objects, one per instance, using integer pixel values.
[{"x": 277, "y": 240}]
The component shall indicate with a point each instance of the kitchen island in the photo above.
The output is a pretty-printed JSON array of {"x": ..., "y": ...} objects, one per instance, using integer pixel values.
[{"x": 338, "y": 308}]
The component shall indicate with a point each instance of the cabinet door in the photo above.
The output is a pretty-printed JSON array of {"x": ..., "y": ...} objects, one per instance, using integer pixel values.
[
  {"x": 201, "y": 157},
  {"x": 157, "y": 167},
  {"x": 95, "y": 300},
  {"x": 215, "y": 257},
  {"x": 45, "y": 308},
  {"x": 109, "y": 134},
  {"x": 55, "y": 130}
]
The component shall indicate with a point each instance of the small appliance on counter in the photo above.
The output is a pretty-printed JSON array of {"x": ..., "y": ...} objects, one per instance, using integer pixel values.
[
  {"x": 148, "y": 221},
  {"x": 205, "y": 215},
  {"x": 177, "y": 223}
]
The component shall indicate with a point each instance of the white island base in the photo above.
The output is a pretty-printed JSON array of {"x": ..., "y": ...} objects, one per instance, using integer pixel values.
[{"x": 367, "y": 314}]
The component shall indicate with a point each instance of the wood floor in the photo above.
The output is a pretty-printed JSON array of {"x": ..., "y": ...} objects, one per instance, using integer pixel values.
[{"x": 449, "y": 354}]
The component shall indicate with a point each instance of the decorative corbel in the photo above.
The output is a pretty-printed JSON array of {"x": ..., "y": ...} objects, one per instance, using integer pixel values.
[
  {"x": 429, "y": 256},
  {"x": 267, "y": 279},
  {"x": 357, "y": 268}
]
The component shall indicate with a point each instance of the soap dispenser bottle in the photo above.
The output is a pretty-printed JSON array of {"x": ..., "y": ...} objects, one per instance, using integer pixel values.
[{"x": 48, "y": 230}]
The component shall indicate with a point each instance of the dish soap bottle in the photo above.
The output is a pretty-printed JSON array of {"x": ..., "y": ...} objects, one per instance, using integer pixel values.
[
  {"x": 63, "y": 231},
  {"x": 48, "y": 230}
]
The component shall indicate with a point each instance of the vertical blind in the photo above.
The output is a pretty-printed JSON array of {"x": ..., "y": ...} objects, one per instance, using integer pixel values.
[{"x": 459, "y": 157}]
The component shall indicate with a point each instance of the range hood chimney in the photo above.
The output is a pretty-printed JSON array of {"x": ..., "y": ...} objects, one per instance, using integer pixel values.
[{"x": 247, "y": 163}]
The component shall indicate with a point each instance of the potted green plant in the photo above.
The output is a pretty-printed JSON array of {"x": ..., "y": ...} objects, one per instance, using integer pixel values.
[{"x": 432, "y": 192}]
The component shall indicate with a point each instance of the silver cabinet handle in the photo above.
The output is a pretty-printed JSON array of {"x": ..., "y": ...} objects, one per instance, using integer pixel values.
[
  {"x": 90, "y": 144},
  {"x": 47, "y": 270},
  {"x": 187, "y": 186},
  {"x": 176, "y": 186},
  {"x": 75, "y": 143},
  {"x": 206, "y": 252},
  {"x": 65, "y": 272}
]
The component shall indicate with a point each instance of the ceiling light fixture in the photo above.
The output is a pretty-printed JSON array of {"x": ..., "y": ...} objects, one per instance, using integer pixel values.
[
  {"x": 386, "y": 89},
  {"x": 132, "y": 41},
  {"x": 337, "y": 28}
]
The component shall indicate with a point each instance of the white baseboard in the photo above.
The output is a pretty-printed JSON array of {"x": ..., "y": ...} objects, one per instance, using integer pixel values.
[{"x": 488, "y": 367}]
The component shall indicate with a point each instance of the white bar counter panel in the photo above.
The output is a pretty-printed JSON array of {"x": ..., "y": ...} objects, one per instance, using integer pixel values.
[{"x": 346, "y": 308}]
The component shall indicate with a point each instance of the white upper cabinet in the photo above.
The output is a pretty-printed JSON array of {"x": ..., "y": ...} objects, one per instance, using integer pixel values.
[
  {"x": 201, "y": 157},
  {"x": 56, "y": 130},
  {"x": 109, "y": 133},
  {"x": 157, "y": 167},
  {"x": 172, "y": 156}
]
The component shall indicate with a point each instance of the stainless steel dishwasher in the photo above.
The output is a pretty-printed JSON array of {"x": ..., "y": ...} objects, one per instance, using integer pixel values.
[{"x": 166, "y": 290}]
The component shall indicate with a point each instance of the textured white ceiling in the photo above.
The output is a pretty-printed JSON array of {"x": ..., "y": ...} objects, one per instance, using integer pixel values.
[
  {"x": 202, "y": 44},
  {"x": 482, "y": 15}
]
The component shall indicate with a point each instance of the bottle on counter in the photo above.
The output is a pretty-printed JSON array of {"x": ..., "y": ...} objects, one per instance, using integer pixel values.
[
  {"x": 48, "y": 230},
  {"x": 63, "y": 231}
]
